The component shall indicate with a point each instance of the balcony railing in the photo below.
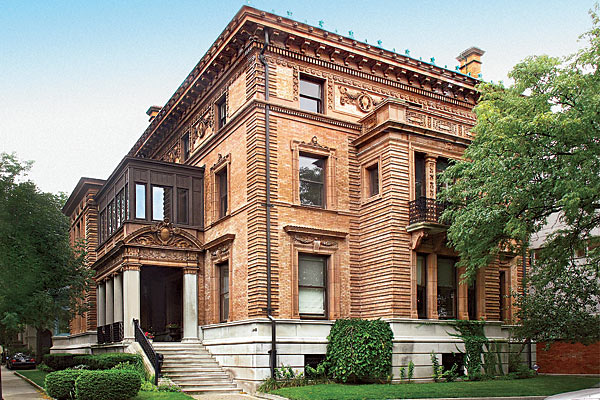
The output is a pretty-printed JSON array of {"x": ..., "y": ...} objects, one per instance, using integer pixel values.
[
  {"x": 425, "y": 210},
  {"x": 111, "y": 333},
  {"x": 156, "y": 359}
]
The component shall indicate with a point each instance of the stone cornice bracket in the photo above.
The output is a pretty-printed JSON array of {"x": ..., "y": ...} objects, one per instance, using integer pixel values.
[
  {"x": 190, "y": 270},
  {"x": 131, "y": 267},
  {"x": 416, "y": 238}
]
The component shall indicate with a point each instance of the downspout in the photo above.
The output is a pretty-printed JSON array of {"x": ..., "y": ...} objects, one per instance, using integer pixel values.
[
  {"x": 273, "y": 351},
  {"x": 529, "y": 357}
]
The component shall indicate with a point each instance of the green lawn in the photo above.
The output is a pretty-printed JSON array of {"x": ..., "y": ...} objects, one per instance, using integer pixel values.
[
  {"x": 34, "y": 375},
  {"x": 538, "y": 386}
]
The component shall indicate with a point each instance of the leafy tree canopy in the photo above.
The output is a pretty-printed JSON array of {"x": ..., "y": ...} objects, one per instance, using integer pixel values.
[
  {"x": 536, "y": 153},
  {"x": 42, "y": 277}
]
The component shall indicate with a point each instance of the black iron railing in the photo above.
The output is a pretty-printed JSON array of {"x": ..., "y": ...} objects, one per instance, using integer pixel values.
[
  {"x": 155, "y": 358},
  {"x": 425, "y": 210}
]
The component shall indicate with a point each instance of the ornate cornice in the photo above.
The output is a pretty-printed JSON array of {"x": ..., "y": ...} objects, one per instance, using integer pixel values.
[
  {"x": 311, "y": 45},
  {"x": 163, "y": 234},
  {"x": 309, "y": 230}
]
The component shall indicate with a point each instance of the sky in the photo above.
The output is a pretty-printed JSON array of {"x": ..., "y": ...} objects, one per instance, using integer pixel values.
[{"x": 76, "y": 77}]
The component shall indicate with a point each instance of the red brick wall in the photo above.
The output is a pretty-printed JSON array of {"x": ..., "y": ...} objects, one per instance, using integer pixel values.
[{"x": 569, "y": 358}]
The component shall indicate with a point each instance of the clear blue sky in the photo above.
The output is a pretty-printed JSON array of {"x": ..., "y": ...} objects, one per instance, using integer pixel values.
[{"x": 76, "y": 77}]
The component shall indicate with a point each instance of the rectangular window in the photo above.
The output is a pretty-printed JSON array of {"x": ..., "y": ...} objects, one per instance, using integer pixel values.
[
  {"x": 185, "y": 145},
  {"x": 140, "y": 201},
  {"x": 311, "y": 94},
  {"x": 440, "y": 166},
  {"x": 182, "y": 206},
  {"x": 312, "y": 280},
  {"x": 503, "y": 294},
  {"x": 102, "y": 231},
  {"x": 222, "y": 112},
  {"x": 446, "y": 288},
  {"x": 419, "y": 175},
  {"x": 373, "y": 179},
  {"x": 222, "y": 191},
  {"x": 119, "y": 210},
  {"x": 472, "y": 300},
  {"x": 111, "y": 218},
  {"x": 223, "y": 291},
  {"x": 161, "y": 203},
  {"x": 421, "y": 286},
  {"x": 312, "y": 180}
]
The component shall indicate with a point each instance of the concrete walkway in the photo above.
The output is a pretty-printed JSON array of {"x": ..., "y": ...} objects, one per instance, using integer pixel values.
[
  {"x": 14, "y": 388},
  {"x": 586, "y": 394},
  {"x": 224, "y": 397}
]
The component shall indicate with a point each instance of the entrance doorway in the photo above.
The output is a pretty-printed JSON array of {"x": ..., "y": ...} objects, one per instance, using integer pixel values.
[{"x": 162, "y": 303}]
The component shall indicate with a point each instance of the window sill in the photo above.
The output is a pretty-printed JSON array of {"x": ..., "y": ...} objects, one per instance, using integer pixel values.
[
  {"x": 314, "y": 208},
  {"x": 370, "y": 199}
]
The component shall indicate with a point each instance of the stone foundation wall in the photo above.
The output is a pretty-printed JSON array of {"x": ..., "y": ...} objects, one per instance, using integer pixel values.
[{"x": 242, "y": 347}]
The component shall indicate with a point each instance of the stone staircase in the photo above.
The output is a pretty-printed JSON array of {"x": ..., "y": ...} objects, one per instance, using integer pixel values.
[{"x": 191, "y": 367}]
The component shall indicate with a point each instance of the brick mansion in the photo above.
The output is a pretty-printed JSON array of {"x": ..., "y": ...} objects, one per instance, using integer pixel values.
[{"x": 288, "y": 182}]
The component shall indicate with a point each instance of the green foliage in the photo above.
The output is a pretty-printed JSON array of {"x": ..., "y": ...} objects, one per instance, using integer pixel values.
[
  {"x": 535, "y": 156},
  {"x": 42, "y": 277},
  {"x": 60, "y": 361},
  {"x": 168, "y": 387},
  {"x": 44, "y": 368},
  {"x": 438, "y": 370},
  {"x": 402, "y": 374},
  {"x": 107, "y": 385},
  {"x": 473, "y": 336},
  {"x": 411, "y": 370},
  {"x": 284, "y": 377},
  {"x": 61, "y": 384},
  {"x": 359, "y": 350},
  {"x": 317, "y": 375},
  {"x": 148, "y": 386}
]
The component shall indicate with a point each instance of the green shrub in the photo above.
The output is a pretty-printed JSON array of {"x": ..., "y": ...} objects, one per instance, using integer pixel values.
[
  {"x": 411, "y": 370},
  {"x": 109, "y": 360},
  {"x": 148, "y": 386},
  {"x": 60, "y": 361},
  {"x": 44, "y": 368},
  {"x": 108, "y": 385},
  {"x": 168, "y": 387},
  {"x": 61, "y": 384},
  {"x": 359, "y": 350},
  {"x": 317, "y": 375}
]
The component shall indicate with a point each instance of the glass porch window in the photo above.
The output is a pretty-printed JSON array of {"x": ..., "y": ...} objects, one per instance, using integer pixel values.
[
  {"x": 421, "y": 287},
  {"x": 224, "y": 292}
]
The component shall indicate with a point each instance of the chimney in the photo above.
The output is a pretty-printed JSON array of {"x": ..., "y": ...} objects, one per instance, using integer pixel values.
[
  {"x": 470, "y": 61},
  {"x": 153, "y": 112}
]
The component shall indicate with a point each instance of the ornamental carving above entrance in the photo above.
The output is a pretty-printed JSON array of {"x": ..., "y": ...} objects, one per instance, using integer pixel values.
[{"x": 163, "y": 234}]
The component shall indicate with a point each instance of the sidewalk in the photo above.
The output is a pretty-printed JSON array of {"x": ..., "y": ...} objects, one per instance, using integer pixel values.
[{"x": 14, "y": 388}]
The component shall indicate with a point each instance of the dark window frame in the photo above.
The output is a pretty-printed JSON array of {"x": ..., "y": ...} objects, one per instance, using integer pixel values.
[
  {"x": 185, "y": 147},
  {"x": 423, "y": 314},
  {"x": 167, "y": 204},
  {"x": 326, "y": 261},
  {"x": 143, "y": 203},
  {"x": 419, "y": 175},
  {"x": 224, "y": 292},
  {"x": 323, "y": 183},
  {"x": 222, "y": 192},
  {"x": 221, "y": 112},
  {"x": 183, "y": 207},
  {"x": 318, "y": 100},
  {"x": 455, "y": 289},
  {"x": 372, "y": 177}
]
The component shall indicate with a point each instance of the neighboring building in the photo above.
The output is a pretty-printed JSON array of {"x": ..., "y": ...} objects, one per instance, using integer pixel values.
[{"x": 192, "y": 229}]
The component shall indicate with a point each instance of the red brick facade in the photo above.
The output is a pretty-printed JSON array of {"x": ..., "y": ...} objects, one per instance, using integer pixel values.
[
  {"x": 378, "y": 109},
  {"x": 568, "y": 358}
]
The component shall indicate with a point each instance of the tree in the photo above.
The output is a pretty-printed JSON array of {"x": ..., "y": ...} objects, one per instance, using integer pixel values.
[
  {"x": 42, "y": 277},
  {"x": 536, "y": 152}
]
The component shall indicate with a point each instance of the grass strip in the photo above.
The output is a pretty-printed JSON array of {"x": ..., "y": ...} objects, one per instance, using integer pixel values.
[{"x": 538, "y": 386}]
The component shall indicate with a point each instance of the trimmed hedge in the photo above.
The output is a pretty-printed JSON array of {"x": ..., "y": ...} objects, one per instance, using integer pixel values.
[
  {"x": 360, "y": 350},
  {"x": 112, "y": 384},
  {"x": 61, "y": 361},
  {"x": 61, "y": 384}
]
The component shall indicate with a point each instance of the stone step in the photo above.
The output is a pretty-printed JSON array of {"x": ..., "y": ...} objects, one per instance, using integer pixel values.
[
  {"x": 185, "y": 361},
  {"x": 202, "y": 373},
  {"x": 207, "y": 380},
  {"x": 192, "y": 370},
  {"x": 175, "y": 352}
]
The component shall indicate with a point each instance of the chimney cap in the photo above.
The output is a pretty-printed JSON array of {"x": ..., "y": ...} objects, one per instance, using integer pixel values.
[
  {"x": 153, "y": 110},
  {"x": 470, "y": 51}
]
